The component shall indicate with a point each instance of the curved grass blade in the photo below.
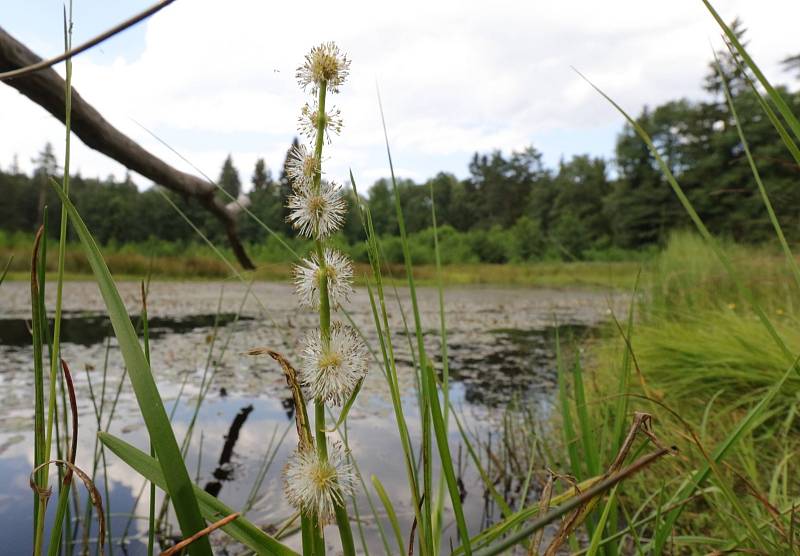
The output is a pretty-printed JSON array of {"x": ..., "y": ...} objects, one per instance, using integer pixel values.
[
  {"x": 790, "y": 260},
  {"x": 240, "y": 529},
  {"x": 390, "y": 513},
  {"x": 6, "y": 268},
  {"x": 774, "y": 95},
  {"x": 177, "y": 482},
  {"x": 440, "y": 431}
]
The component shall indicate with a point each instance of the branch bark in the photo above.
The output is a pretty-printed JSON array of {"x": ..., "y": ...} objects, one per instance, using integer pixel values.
[{"x": 47, "y": 89}]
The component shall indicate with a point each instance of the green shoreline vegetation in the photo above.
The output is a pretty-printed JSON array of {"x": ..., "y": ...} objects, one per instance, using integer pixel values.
[
  {"x": 198, "y": 263},
  {"x": 702, "y": 361}
]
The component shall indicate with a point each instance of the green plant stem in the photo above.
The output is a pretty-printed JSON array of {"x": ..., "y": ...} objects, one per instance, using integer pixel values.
[
  {"x": 342, "y": 520},
  {"x": 55, "y": 355}
]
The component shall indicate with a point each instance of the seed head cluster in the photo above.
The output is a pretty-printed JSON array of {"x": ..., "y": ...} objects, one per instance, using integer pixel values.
[
  {"x": 308, "y": 276},
  {"x": 316, "y": 487},
  {"x": 334, "y": 358},
  {"x": 332, "y": 371},
  {"x": 325, "y": 66}
]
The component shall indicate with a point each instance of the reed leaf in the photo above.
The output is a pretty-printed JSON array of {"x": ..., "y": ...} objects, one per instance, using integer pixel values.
[
  {"x": 212, "y": 509},
  {"x": 177, "y": 482}
]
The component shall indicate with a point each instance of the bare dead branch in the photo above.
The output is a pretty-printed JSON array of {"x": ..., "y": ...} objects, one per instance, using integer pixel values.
[
  {"x": 202, "y": 533},
  {"x": 43, "y": 64},
  {"x": 47, "y": 89}
]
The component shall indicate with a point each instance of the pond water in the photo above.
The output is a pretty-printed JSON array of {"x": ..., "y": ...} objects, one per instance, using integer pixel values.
[{"x": 500, "y": 346}]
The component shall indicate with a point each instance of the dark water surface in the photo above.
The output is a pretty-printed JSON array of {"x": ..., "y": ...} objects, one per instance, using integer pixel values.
[{"x": 500, "y": 346}]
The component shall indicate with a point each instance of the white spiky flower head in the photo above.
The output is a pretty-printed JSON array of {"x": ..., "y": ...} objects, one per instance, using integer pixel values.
[
  {"x": 315, "y": 487},
  {"x": 308, "y": 277},
  {"x": 317, "y": 213},
  {"x": 331, "y": 372},
  {"x": 302, "y": 166},
  {"x": 324, "y": 66},
  {"x": 311, "y": 117}
]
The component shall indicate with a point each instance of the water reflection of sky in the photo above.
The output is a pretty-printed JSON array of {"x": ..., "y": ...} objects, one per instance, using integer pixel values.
[{"x": 499, "y": 343}]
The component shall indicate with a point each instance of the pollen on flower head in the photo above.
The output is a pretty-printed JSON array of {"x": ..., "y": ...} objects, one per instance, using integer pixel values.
[
  {"x": 317, "y": 213},
  {"x": 310, "y": 119},
  {"x": 315, "y": 487},
  {"x": 332, "y": 372},
  {"x": 301, "y": 166},
  {"x": 324, "y": 66},
  {"x": 308, "y": 275}
]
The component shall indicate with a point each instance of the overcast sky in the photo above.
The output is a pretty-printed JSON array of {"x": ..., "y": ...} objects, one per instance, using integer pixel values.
[{"x": 212, "y": 78}]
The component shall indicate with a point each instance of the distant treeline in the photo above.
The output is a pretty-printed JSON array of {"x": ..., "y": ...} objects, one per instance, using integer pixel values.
[{"x": 511, "y": 207}]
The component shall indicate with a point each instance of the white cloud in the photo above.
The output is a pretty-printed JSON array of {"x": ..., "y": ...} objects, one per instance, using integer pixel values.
[{"x": 455, "y": 77}]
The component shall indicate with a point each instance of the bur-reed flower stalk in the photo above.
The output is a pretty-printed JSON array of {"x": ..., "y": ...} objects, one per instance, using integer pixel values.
[{"x": 334, "y": 358}]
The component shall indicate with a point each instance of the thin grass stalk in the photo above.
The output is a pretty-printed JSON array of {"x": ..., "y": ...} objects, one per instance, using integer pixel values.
[
  {"x": 567, "y": 427},
  {"x": 223, "y": 192},
  {"x": 498, "y": 499},
  {"x": 382, "y": 327},
  {"x": 790, "y": 259},
  {"x": 437, "y": 514},
  {"x": 151, "y": 503},
  {"x": 390, "y": 513},
  {"x": 87, "y": 517},
  {"x": 621, "y": 409},
  {"x": 55, "y": 355},
  {"x": 773, "y": 94},
  {"x": 387, "y": 350},
  {"x": 38, "y": 326},
  {"x": 5, "y": 270},
  {"x": 353, "y": 462},
  {"x": 425, "y": 413}
]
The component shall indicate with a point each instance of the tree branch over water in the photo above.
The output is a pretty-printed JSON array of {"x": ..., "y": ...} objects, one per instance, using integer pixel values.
[{"x": 47, "y": 89}]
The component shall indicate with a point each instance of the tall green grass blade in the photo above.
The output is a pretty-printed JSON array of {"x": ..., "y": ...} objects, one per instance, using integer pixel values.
[
  {"x": 240, "y": 529},
  {"x": 390, "y": 513},
  {"x": 426, "y": 394},
  {"x": 162, "y": 438},
  {"x": 6, "y": 268},
  {"x": 567, "y": 427},
  {"x": 487, "y": 482},
  {"x": 590, "y": 449},
  {"x": 773, "y": 94},
  {"x": 38, "y": 328},
  {"x": 440, "y": 430},
  {"x": 594, "y": 545},
  {"x": 381, "y": 322},
  {"x": 55, "y": 353},
  {"x": 790, "y": 259},
  {"x": 437, "y": 511},
  {"x": 151, "y": 503},
  {"x": 773, "y": 117}
]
